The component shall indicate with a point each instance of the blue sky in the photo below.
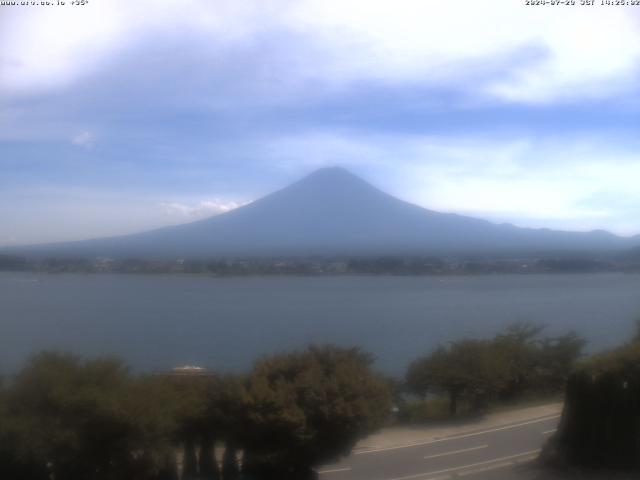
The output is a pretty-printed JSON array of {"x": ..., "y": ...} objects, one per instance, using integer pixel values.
[{"x": 121, "y": 116}]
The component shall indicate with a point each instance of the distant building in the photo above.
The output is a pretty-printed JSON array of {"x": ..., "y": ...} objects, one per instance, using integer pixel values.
[{"x": 190, "y": 371}]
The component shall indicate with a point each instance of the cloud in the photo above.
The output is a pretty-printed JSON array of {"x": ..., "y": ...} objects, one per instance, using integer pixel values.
[
  {"x": 53, "y": 48},
  {"x": 49, "y": 214},
  {"x": 204, "y": 208},
  {"x": 584, "y": 58},
  {"x": 498, "y": 50},
  {"x": 84, "y": 139}
]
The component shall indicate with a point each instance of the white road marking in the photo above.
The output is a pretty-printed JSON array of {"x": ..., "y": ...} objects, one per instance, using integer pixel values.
[
  {"x": 526, "y": 459},
  {"x": 457, "y": 437},
  {"x": 498, "y": 461},
  {"x": 455, "y": 452},
  {"x": 496, "y": 466},
  {"x": 334, "y": 470},
  {"x": 547, "y": 432},
  {"x": 475, "y": 471}
]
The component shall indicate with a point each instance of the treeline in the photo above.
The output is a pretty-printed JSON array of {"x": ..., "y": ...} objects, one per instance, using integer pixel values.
[
  {"x": 516, "y": 363},
  {"x": 65, "y": 418},
  {"x": 600, "y": 425},
  {"x": 374, "y": 265}
]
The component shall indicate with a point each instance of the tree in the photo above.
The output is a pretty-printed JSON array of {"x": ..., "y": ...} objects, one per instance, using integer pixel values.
[
  {"x": 225, "y": 411},
  {"x": 15, "y": 461},
  {"x": 469, "y": 370},
  {"x": 70, "y": 413},
  {"x": 599, "y": 425},
  {"x": 196, "y": 431},
  {"x": 557, "y": 358},
  {"x": 518, "y": 345},
  {"x": 77, "y": 420},
  {"x": 537, "y": 364},
  {"x": 308, "y": 407},
  {"x": 230, "y": 470},
  {"x": 418, "y": 378},
  {"x": 207, "y": 463}
]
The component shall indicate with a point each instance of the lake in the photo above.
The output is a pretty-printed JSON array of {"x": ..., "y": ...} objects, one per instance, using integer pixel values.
[{"x": 157, "y": 322}]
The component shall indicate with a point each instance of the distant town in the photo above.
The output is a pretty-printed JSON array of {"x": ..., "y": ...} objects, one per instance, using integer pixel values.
[{"x": 374, "y": 265}]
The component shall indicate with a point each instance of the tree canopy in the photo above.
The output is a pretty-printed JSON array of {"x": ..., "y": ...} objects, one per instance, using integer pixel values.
[
  {"x": 75, "y": 419},
  {"x": 599, "y": 425},
  {"x": 312, "y": 406},
  {"x": 515, "y": 361},
  {"x": 67, "y": 418}
]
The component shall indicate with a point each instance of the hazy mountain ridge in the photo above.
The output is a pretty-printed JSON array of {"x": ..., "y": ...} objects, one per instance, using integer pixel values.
[{"x": 333, "y": 212}]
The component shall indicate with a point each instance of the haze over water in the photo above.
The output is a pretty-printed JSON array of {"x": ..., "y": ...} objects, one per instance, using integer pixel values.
[{"x": 157, "y": 322}]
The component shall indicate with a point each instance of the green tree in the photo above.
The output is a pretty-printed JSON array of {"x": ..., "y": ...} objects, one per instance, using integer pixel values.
[
  {"x": 470, "y": 370},
  {"x": 79, "y": 420},
  {"x": 70, "y": 414},
  {"x": 537, "y": 364},
  {"x": 557, "y": 358},
  {"x": 599, "y": 425},
  {"x": 196, "y": 432},
  {"x": 519, "y": 346},
  {"x": 309, "y": 407},
  {"x": 225, "y": 411},
  {"x": 516, "y": 361}
]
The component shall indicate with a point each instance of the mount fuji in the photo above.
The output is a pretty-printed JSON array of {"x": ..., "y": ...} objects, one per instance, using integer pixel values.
[{"x": 334, "y": 212}]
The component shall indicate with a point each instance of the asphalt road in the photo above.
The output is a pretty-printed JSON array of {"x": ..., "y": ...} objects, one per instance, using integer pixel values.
[{"x": 500, "y": 453}]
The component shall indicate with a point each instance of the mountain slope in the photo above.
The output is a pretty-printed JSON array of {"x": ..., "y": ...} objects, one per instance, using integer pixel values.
[{"x": 330, "y": 212}]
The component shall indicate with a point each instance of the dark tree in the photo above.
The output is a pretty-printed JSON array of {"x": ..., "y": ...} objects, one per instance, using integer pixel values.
[
  {"x": 470, "y": 370},
  {"x": 190, "y": 461},
  {"x": 519, "y": 347},
  {"x": 207, "y": 460},
  {"x": 516, "y": 361},
  {"x": 230, "y": 470},
  {"x": 557, "y": 358},
  {"x": 309, "y": 407},
  {"x": 599, "y": 425},
  {"x": 168, "y": 469},
  {"x": 79, "y": 420}
]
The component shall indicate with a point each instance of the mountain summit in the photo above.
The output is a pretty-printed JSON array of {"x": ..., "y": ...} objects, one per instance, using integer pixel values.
[{"x": 333, "y": 212}]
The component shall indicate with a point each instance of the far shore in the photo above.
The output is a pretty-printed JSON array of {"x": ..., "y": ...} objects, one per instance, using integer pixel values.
[{"x": 325, "y": 266}]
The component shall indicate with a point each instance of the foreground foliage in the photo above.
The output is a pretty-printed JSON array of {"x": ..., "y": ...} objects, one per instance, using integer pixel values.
[
  {"x": 71, "y": 419},
  {"x": 600, "y": 425},
  {"x": 311, "y": 407},
  {"x": 66, "y": 418}
]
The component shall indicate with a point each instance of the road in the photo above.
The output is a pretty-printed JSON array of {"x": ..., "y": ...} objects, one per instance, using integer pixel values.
[{"x": 499, "y": 453}]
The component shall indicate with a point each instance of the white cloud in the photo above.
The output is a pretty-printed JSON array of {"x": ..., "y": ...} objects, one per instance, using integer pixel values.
[
  {"x": 83, "y": 139},
  {"x": 53, "y": 48},
  {"x": 591, "y": 53},
  {"x": 578, "y": 51},
  {"x": 201, "y": 209},
  {"x": 39, "y": 214}
]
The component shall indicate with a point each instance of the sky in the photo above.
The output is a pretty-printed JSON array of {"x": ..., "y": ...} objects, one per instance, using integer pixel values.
[{"x": 120, "y": 116}]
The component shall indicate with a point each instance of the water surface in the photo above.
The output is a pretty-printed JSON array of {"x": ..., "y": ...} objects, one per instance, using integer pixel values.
[{"x": 156, "y": 322}]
